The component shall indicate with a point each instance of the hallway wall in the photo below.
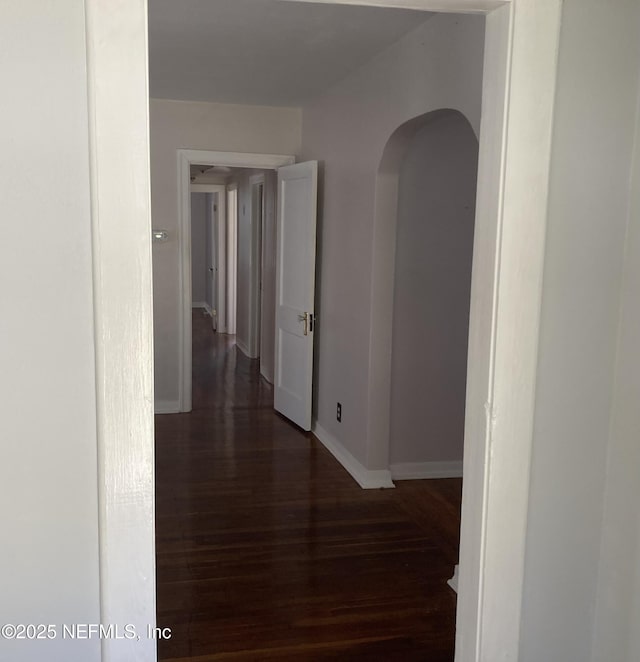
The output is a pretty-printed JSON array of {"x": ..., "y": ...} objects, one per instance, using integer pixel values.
[
  {"x": 199, "y": 235},
  {"x": 193, "y": 125},
  {"x": 210, "y": 257},
  {"x": 269, "y": 249},
  {"x": 434, "y": 251},
  {"x": 618, "y": 600},
  {"x": 584, "y": 459},
  {"x": 247, "y": 261},
  {"x": 437, "y": 65},
  {"x": 49, "y": 556}
]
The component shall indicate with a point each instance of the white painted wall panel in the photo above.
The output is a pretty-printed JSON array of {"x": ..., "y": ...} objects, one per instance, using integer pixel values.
[
  {"x": 599, "y": 64},
  {"x": 267, "y": 353},
  {"x": 616, "y": 634},
  {"x": 199, "y": 234},
  {"x": 210, "y": 256},
  {"x": 245, "y": 232},
  {"x": 244, "y": 260},
  {"x": 49, "y": 566}
]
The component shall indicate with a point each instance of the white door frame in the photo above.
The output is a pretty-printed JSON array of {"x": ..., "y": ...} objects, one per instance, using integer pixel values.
[
  {"x": 515, "y": 144},
  {"x": 187, "y": 157},
  {"x": 255, "y": 268},
  {"x": 218, "y": 246},
  {"x": 231, "y": 259},
  {"x": 118, "y": 109}
]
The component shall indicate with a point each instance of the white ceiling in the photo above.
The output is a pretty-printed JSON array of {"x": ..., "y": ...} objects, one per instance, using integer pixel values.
[{"x": 263, "y": 52}]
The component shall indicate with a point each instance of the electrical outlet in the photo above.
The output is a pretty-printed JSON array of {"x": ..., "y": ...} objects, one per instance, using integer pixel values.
[{"x": 339, "y": 412}]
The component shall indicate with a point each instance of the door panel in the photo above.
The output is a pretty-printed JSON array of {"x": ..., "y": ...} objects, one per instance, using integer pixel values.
[{"x": 295, "y": 291}]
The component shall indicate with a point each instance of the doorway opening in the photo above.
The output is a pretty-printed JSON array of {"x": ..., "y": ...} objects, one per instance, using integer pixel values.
[
  {"x": 519, "y": 67},
  {"x": 212, "y": 264},
  {"x": 429, "y": 169},
  {"x": 426, "y": 201},
  {"x": 233, "y": 258},
  {"x": 238, "y": 272}
]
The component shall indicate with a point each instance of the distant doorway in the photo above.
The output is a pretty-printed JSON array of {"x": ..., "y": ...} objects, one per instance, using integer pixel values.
[{"x": 187, "y": 158}]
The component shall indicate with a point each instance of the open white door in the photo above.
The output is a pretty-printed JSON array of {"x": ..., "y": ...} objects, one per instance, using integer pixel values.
[{"x": 295, "y": 288}]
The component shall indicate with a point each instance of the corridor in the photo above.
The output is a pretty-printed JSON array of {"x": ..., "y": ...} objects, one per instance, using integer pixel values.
[{"x": 268, "y": 550}]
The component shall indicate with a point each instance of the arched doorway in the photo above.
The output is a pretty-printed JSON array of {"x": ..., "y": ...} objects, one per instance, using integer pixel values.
[{"x": 422, "y": 254}]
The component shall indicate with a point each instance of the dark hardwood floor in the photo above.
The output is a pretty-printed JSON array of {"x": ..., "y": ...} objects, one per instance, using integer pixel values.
[{"x": 268, "y": 550}]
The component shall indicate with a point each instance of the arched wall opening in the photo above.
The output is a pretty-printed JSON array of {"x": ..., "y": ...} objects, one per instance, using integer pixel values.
[{"x": 422, "y": 256}]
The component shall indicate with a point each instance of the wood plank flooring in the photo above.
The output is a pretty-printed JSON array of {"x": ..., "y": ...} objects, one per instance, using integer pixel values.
[{"x": 268, "y": 550}]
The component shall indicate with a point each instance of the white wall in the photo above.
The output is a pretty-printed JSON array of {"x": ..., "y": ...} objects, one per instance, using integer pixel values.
[
  {"x": 49, "y": 566},
  {"x": 245, "y": 231},
  {"x": 199, "y": 235},
  {"x": 190, "y": 125},
  {"x": 211, "y": 257},
  {"x": 599, "y": 64},
  {"x": 617, "y": 631},
  {"x": 438, "y": 65},
  {"x": 248, "y": 261},
  {"x": 269, "y": 249},
  {"x": 434, "y": 250}
]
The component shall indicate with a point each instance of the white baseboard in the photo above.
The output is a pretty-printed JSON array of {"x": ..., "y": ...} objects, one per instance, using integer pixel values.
[
  {"x": 243, "y": 348},
  {"x": 453, "y": 582},
  {"x": 268, "y": 378},
  {"x": 366, "y": 478},
  {"x": 423, "y": 470},
  {"x": 167, "y": 407},
  {"x": 205, "y": 305}
]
